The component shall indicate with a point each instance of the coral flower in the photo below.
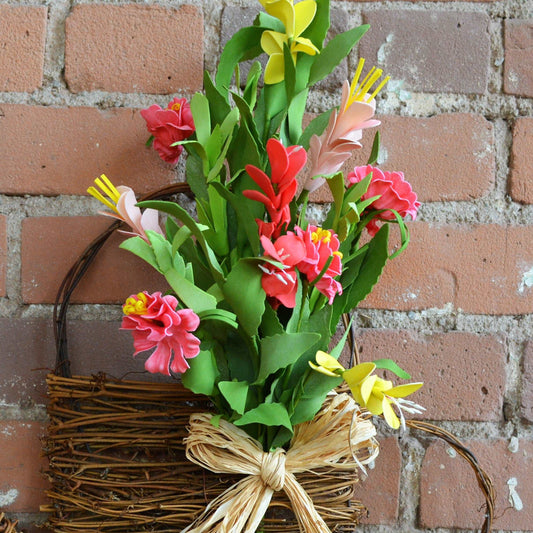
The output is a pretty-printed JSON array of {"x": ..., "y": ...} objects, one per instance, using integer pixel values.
[
  {"x": 321, "y": 245},
  {"x": 393, "y": 191},
  {"x": 295, "y": 19},
  {"x": 156, "y": 323},
  {"x": 121, "y": 200},
  {"x": 280, "y": 189},
  {"x": 168, "y": 126},
  {"x": 345, "y": 128}
]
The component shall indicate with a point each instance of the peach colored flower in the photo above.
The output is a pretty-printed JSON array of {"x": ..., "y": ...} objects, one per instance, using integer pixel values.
[
  {"x": 155, "y": 322},
  {"x": 393, "y": 191},
  {"x": 168, "y": 126}
]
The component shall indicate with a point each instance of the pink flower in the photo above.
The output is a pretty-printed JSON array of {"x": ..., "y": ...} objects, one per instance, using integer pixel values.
[
  {"x": 320, "y": 245},
  {"x": 168, "y": 126},
  {"x": 281, "y": 284},
  {"x": 393, "y": 191},
  {"x": 155, "y": 323},
  {"x": 279, "y": 190},
  {"x": 121, "y": 200}
]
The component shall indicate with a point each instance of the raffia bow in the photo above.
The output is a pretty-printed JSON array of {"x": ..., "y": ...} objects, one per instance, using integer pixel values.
[{"x": 339, "y": 437}]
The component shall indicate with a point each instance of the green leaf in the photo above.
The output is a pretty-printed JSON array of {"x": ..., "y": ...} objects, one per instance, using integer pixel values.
[
  {"x": 334, "y": 52},
  {"x": 140, "y": 248},
  {"x": 355, "y": 191},
  {"x": 315, "y": 127},
  {"x": 245, "y": 295},
  {"x": 389, "y": 364},
  {"x": 336, "y": 186},
  {"x": 191, "y": 295},
  {"x": 218, "y": 105},
  {"x": 336, "y": 352},
  {"x": 202, "y": 117},
  {"x": 280, "y": 351},
  {"x": 220, "y": 315},
  {"x": 202, "y": 374},
  {"x": 295, "y": 116},
  {"x": 266, "y": 414},
  {"x": 162, "y": 250},
  {"x": 270, "y": 324},
  {"x": 235, "y": 393},
  {"x": 317, "y": 30},
  {"x": 250, "y": 90},
  {"x": 374, "y": 154}
]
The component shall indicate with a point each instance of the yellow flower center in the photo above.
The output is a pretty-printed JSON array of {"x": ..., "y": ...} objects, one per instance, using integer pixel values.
[
  {"x": 136, "y": 305},
  {"x": 320, "y": 234},
  {"x": 176, "y": 106},
  {"x": 358, "y": 91}
]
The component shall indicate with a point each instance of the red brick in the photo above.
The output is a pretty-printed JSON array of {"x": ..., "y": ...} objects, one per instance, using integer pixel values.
[
  {"x": 432, "y": 51},
  {"x": 449, "y": 494},
  {"x": 50, "y": 245},
  {"x": 521, "y": 179},
  {"x": 66, "y": 148},
  {"x": 21, "y": 483},
  {"x": 518, "y": 76},
  {"x": 22, "y": 40},
  {"x": 463, "y": 373},
  {"x": 380, "y": 491},
  {"x": 154, "y": 49},
  {"x": 3, "y": 254},
  {"x": 480, "y": 269},
  {"x": 443, "y": 150},
  {"x": 527, "y": 383}
]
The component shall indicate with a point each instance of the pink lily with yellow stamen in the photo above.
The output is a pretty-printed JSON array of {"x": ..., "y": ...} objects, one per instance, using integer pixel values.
[
  {"x": 342, "y": 136},
  {"x": 122, "y": 202}
]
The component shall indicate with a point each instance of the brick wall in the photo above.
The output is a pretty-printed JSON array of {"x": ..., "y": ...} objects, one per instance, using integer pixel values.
[{"x": 454, "y": 309}]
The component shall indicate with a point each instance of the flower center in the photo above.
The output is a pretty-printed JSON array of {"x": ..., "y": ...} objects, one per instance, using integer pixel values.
[
  {"x": 176, "y": 106},
  {"x": 321, "y": 235},
  {"x": 136, "y": 305}
]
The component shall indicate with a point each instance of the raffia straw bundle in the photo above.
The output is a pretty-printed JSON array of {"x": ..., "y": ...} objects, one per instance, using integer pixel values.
[{"x": 118, "y": 464}]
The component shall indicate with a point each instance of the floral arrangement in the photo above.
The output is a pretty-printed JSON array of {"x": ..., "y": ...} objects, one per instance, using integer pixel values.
[{"x": 255, "y": 289}]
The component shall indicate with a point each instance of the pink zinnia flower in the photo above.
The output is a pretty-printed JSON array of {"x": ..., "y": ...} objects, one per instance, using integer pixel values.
[
  {"x": 393, "y": 191},
  {"x": 168, "y": 126},
  {"x": 121, "y": 200},
  {"x": 280, "y": 189},
  {"x": 155, "y": 323},
  {"x": 320, "y": 245}
]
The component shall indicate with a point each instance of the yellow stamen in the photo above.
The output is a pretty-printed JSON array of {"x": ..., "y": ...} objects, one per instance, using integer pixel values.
[
  {"x": 136, "y": 305},
  {"x": 107, "y": 188},
  {"x": 176, "y": 106},
  {"x": 339, "y": 254},
  {"x": 358, "y": 91},
  {"x": 320, "y": 234}
]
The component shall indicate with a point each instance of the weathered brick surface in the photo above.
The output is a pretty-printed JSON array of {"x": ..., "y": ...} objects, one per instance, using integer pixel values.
[
  {"x": 22, "y": 40},
  {"x": 112, "y": 278},
  {"x": 154, "y": 49},
  {"x": 463, "y": 373},
  {"x": 66, "y": 148},
  {"x": 380, "y": 491},
  {"x": 527, "y": 383},
  {"x": 521, "y": 177},
  {"x": 518, "y": 75},
  {"x": 3, "y": 254},
  {"x": 449, "y": 494},
  {"x": 479, "y": 269},
  {"x": 431, "y": 51},
  {"x": 21, "y": 483},
  {"x": 450, "y": 156}
]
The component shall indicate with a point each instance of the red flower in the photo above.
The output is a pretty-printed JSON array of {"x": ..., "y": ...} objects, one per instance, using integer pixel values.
[
  {"x": 279, "y": 190},
  {"x": 320, "y": 245},
  {"x": 170, "y": 125},
  {"x": 154, "y": 322},
  {"x": 393, "y": 191}
]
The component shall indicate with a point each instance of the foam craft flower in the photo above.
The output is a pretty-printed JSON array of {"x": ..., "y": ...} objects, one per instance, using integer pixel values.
[
  {"x": 122, "y": 202},
  {"x": 280, "y": 189},
  {"x": 168, "y": 126},
  {"x": 321, "y": 245},
  {"x": 341, "y": 137},
  {"x": 155, "y": 322},
  {"x": 378, "y": 395},
  {"x": 393, "y": 191},
  {"x": 295, "y": 19},
  {"x": 327, "y": 364}
]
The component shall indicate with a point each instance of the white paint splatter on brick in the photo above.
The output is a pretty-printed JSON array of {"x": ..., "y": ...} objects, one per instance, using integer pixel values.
[
  {"x": 527, "y": 281},
  {"x": 514, "y": 498},
  {"x": 7, "y": 498}
]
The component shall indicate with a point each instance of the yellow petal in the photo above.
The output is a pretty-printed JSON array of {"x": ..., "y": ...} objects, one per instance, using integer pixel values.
[
  {"x": 375, "y": 404},
  {"x": 303, "y": 45},
  {"x": 275, "y": 69},
  {"x": 327, "y": 361},
  {"x": 355, "y": 375},
  {"x": 401, "y": 391},
  {"x": 390, "y": 415},
  {"x": 284, "y": 11},
  {"x": 323, "y": 370},
  {"x": 272, "y": 42},
  {"x": 304, "y": 13},
  {"x": 367, "y": 386}
]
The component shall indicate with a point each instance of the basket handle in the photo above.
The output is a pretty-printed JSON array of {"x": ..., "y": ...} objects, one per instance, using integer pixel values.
[{"x": 76, "y": 273}]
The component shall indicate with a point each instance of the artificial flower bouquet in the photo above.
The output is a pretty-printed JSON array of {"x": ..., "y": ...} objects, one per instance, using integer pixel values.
[{"x": 255, "y": 288}]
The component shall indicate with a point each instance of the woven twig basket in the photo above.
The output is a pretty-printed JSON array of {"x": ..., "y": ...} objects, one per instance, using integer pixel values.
[{"x": 116, "y": 454}]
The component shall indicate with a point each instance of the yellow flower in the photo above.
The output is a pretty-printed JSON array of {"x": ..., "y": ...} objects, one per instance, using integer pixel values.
[
  {"x": 295, "y": 19},
  {"x": 327, "y": 365},
  {"x": 378, "y": 395}
]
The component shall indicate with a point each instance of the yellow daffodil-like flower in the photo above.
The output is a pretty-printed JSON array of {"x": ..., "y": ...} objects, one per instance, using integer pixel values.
[
  {"x": 378, "y": 395},
  {"x": 295, "y": 19},
  {"x": 371, "y": 391}
]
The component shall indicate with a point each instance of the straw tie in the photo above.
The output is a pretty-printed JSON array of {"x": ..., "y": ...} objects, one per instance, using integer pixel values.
[{"x": 273, "y": 469}]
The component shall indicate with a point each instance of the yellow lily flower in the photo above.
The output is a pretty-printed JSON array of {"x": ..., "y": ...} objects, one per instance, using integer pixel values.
[
  {"x": 327, "y": 365},
  {"x": 295, "y": 19}
]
